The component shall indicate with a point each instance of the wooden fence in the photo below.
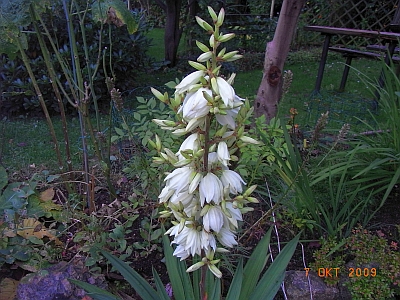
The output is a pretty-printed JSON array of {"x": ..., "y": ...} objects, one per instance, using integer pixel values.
[{"x": 359, "y": 14}]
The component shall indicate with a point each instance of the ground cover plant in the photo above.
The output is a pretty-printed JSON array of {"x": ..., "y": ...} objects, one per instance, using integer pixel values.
[{"x": 305, "y": 176}]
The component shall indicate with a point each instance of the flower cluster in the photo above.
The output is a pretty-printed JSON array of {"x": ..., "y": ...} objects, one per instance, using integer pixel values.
[{"x": 203, "y": 195}]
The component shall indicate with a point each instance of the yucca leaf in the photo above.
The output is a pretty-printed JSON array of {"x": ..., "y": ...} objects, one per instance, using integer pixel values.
[
  {"x": 254, "y": 266},
  {"x": 94, "y": 291},
  {"x": 270, "y": 282},
  {"x": 236, "y": 284},
  {"x": 141, "y": 286},
  {"x": 160, "y": 286},
  {"x": 173, "y": 270}
]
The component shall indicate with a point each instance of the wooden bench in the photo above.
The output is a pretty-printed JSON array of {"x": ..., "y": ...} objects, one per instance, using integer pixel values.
[{"x": 349, "y": 54}]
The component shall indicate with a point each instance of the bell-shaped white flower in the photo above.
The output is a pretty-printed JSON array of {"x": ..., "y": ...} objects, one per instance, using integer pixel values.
[
  {"x": 188, "y": 81},
  {"x": 211, "y": 189},
  {"x": 213, "y": 219},
  {"x": 226, "y": 92},
  {"x": 179, "y": 179},
  {"x": 190, "y": 143},
  {"x": 229, "y": 118},
  {"x": 226, "y": 237},
  {"x": 180, "y": 252},
  {"x": 195, "y": 105},
  {"x": 233, "y": 180},
  {"x": 235, "y": 213},
  {"x": 223, "y": 153}
]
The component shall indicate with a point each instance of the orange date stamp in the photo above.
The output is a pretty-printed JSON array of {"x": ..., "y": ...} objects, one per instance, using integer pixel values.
[{"x": 351, "y": 272}]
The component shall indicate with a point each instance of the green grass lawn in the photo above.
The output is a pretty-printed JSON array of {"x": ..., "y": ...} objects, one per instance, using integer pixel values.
[{"x": 25, "y": 142}]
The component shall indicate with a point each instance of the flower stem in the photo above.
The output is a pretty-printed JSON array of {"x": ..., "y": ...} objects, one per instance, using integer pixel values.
[
  {"x": 202, "y": 283},
  {"x": 206, "y": 144}
]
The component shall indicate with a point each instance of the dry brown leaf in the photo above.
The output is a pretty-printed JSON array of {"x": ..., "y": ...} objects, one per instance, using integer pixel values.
[
  {"x": 32, "y": 227},
  {"x": 47, "y": 195},
  {"x": 8, "y": 289}
]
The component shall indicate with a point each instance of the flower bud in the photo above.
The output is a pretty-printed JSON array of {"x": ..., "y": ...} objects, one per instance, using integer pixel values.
[
  {"x": 215, "y": 271},
  {"x": 235, "y": 57},
  {"x": 214, "y": 85},
  {"x": 252, "y": 199},
  {"x": 179, "y": 132},
  {"x": 202, "y": 47},
  {"x": 195, "y": 266},
  {"x": 182, "y": 163},
  {"x": 229, "y": 55},
  {"x": 212, "y": 41},
  {"x": 212, "y": 13},
  {"x": 170, "y": 154},
  {"x": 158, "y": 143},
  {"x": 158, "y": 95},
  {"x": 222, "y": 52},
  {"x": 249, "y": 190},
  {"x": 152, "y": 144},
  {"x": 204, "y": 57},
  {"x": 249, "y": 140},
  {"x": 203, "y": 24},
  {"x": 195, "y": 182},
  {"x": 220, "y": 18},
  {"x": 197, "y": 65},
  {"x": 226, "y": 37}
]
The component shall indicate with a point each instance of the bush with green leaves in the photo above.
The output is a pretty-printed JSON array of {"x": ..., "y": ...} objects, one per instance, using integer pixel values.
[
  {"x": 370, "y": 263},
  {"x": 127, "y": 56}
]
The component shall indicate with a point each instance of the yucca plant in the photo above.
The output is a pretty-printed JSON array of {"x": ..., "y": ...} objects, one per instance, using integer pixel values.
[{"x": 249, "y": 282}]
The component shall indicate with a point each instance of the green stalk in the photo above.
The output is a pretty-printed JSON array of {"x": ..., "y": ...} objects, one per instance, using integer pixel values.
[
  {"x": 50, "y": 68},
  {"x": 25, "y": 59},
  {"x": 81, "y": 101}
]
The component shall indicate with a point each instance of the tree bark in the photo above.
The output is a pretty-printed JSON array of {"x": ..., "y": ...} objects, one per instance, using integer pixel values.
[
  {"x": 172, "y": 31},
  {"x": 270, "y": 90}
]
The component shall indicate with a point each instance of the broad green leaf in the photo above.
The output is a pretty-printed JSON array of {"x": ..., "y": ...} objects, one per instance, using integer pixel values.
[
  {"x": 254, "y": 266},
  {"x": 94, "y": 291},
  {"x": 119, "y": 131},
  {"x": 141, "y": 286},
  {"x": 116, "y": 12},
  {"x": 270, "y": 282}
]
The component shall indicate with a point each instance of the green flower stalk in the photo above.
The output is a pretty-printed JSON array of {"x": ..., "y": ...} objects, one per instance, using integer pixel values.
[{"x": 202, "y": 194}]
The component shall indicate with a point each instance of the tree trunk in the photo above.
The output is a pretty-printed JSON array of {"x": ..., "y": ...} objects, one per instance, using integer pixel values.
[
  {"x": 172, "y": 30},
  {"x": 270, "y": 90}
]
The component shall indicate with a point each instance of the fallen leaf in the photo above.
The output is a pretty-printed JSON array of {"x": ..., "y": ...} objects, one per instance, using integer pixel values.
[
  {"x": 47, "y": 195},
  {"x": 28, "y": 229},
  {"x": 8, "y": 289}
]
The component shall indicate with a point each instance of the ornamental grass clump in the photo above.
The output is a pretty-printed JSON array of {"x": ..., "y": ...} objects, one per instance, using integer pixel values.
[{"x": 203, "y": 195}]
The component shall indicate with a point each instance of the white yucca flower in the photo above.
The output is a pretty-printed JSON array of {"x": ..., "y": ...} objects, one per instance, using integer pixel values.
[
  {"x": 211, "y": 189},
  {"x": 236, "y": 215},
  {"x": 223, "y": 153},
  {"x": 226, "y": 92},
  {"x": 213, "y": 219},
  {"x": 188, "y": 81},
  {"x": 226, "y": 237},
  {"x": 195, "y": 105},
  {"x": 190, "y": 143},
  {"x": 233, "y": 180},
  {"x": 179, "y": 179}
]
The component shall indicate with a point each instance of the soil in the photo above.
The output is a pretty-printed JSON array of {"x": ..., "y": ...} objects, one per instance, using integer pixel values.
[{"x": 384, "y": 222}]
